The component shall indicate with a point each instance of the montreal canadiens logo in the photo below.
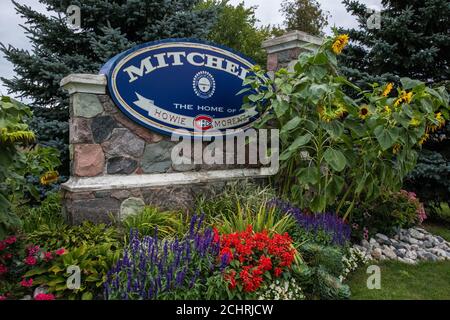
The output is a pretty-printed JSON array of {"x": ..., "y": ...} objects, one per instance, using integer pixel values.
[
  {"x": 204, "y": 85},
  {"x": 203, "y": 122}
]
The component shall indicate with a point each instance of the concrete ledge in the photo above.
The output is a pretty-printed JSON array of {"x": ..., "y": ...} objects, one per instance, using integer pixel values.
[
  {"x": 85, "y": 83},
  {"x": 114, "y": 182},
  {"x": 291, "y": 40}
]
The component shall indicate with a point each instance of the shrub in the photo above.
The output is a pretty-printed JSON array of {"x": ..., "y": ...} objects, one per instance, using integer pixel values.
[
  {"x": 168, "y": 223},
  {"x": 322, "y": 228},
  {"x": 48, "y": 213},
  {"x": 391, "y": 212}
]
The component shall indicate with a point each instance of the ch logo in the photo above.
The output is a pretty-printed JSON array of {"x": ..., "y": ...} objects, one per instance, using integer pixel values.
[{"x": 203, "y": 122}]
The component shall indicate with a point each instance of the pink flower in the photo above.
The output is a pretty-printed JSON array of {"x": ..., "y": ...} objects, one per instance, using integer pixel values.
[
  {"x": 2, "y": 298},
  {"x": 3, "y": 269},
  {"x": 30, "y": 260},
  {"x": 11, "y": 240},
  {"x": 7, "y": 256},
  {"x": 48, "y": 256},
  {"x": 3, "y": 245},
  {"x": 26, "y": 283},
  {"x": 44, "y": 296},
  {"x": 60, "y": 252},
  {"x": 32, "y": 250}
]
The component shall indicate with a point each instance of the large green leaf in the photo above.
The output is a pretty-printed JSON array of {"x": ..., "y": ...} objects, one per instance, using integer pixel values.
[
  {"x": 386, "y": 137},
  {"x": 335, "y": 159},
  {"x": 291, "y": 124}
]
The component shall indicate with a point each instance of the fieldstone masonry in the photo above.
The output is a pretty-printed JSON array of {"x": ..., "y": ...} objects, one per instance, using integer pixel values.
[{"x": 118, "y": 166}]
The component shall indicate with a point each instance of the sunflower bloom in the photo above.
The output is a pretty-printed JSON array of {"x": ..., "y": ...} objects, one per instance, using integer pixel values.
[
  {"x": 388, "y": 89},
  {"x": 388, "y": 110},
  {"x": 405, "y": 97},
  {"x": 396, "y": 149},
  {"x": 49, "y": 178},
  {"x": 415, "y": 122},
  {"x": 340, "y": 43},
  {"x": 441, "y": 120},
  {"x": 364, "y": 112},
  {"x": 424, "y": 138}
]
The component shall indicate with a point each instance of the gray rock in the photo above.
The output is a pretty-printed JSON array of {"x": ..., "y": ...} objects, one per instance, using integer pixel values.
[
  {"x": 411, "y": 255},
  {"x": 389, "y": 253},
  {"x": 86, "y": 105},
  {"x": 416, "y": 234},
  {"x": 413, "y": 240},
  {"x": 97, "y": 210},
  {"x": 381, "y": 238},
  {"x": 429, "y": 256},
  {"x": 401, "y": 253},
  {"x": 365, "y": 244},
  {"x": 427, "y": 244},
  {"x": 121, "y": 165},
  {"x": 409, "y": 261},
  {"x": 102, "y": 128},
  {"x": 131, "y": 206},
  {"x": 376, "y": 253},
  {"x": 123, "y": 143},
  {"x": 157, "y": 157},
  {"x": 440, "y": 239},
  {"x": 372, "y": 241}
]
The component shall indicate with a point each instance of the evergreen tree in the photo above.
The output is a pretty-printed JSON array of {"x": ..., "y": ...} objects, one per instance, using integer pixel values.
[
  {"x": 304, "y": 15},
  {"x": 413, "y": 41},
  {"x": 237, "y": 28},
  {"x": 107, "y": 28}
]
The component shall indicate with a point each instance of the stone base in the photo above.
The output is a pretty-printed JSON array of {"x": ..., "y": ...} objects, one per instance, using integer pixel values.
[{"x": 104, "y": 199}]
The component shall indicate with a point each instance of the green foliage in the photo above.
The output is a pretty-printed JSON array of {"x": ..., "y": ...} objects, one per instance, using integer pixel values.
[
  {"x": 89, "y": 234},
  {"x": 304, "y": 15},
  {"x": 242, "y": 193},
  {"x": 168, "y": 223},
  {"x": 335, "y": 148},
  {"x": 47, "y": 213},
  {"x": 387, "y": 214},
  {"x": 107, "y": 28},
  {"x": 265, "y": 218},
  {"x": 93, "y": 261},
  {"x": 413, "y": 42},
  {"x": 18, "y": 160},
  {"x": 237, "y": 28}
]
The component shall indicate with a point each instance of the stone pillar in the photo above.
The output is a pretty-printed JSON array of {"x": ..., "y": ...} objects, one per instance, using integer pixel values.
[
  {"x": 283, "y": 51},
  {"x": 118, "y": 166}
]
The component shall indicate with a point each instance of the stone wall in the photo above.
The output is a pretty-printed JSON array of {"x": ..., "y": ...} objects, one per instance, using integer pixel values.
[
  {"x": 284, "y": 50},
  {"x": 118, "y": 166}
]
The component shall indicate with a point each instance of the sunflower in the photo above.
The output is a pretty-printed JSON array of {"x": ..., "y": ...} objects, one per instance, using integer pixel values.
[
  {"x": 340, "y": 43},
  {"x": 415, "y": 122},
  {"x": 364, "y": 112},
  {"x": 404, "y": 97},
  {"x": 441, "y": 120},
  {"x": 396, "y": 148},
  {"x": 387, "y": 109},
  {"x": 49, "y": 178},
  {"x": 424, "y": 138},
  {"x": 388, "y": 89}
]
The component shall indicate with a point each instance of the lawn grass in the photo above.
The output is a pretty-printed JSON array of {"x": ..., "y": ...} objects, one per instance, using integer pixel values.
[{"x": 400, "y": 281}]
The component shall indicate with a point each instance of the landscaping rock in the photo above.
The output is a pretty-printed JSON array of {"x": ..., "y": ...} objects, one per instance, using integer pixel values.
[
  {"x": 365, "y": 244},
  {"x": 389, "y": 253},
  {"x": 131, "y": 206},
  {"x": 382, "y": 239},
  {"x": 416, "y": 234},
  {"x": 377, "y": 253}
]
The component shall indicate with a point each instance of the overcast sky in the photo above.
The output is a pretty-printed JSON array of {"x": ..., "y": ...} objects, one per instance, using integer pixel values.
[{"x": 267, "y": 13}]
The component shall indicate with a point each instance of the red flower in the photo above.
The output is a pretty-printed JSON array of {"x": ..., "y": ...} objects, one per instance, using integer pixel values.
[
  {"x": 26, "y": 283},
  {"x": 3, "y": 269},
  {"x": 48, "y": 256},
  {"x": 216, "y": 238},
  {"x": 30, "y": 260},
  {"x": 11, "y": 240},
  {"x": 44, "y": 296},
  {"x": 265, "y": 263},
  {"x": 278, "y": 272},
  {"x": 7, "y": 256},
  {"x": 60, "y": 252},
  {"x": 3, "y": 245}
]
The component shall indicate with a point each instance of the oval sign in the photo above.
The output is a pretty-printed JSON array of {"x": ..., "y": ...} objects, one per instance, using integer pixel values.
[{"x": 181, "y": 84}]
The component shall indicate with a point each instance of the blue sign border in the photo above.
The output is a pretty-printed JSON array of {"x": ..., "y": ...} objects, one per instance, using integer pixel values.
[{"x": 111, "y": 64}]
